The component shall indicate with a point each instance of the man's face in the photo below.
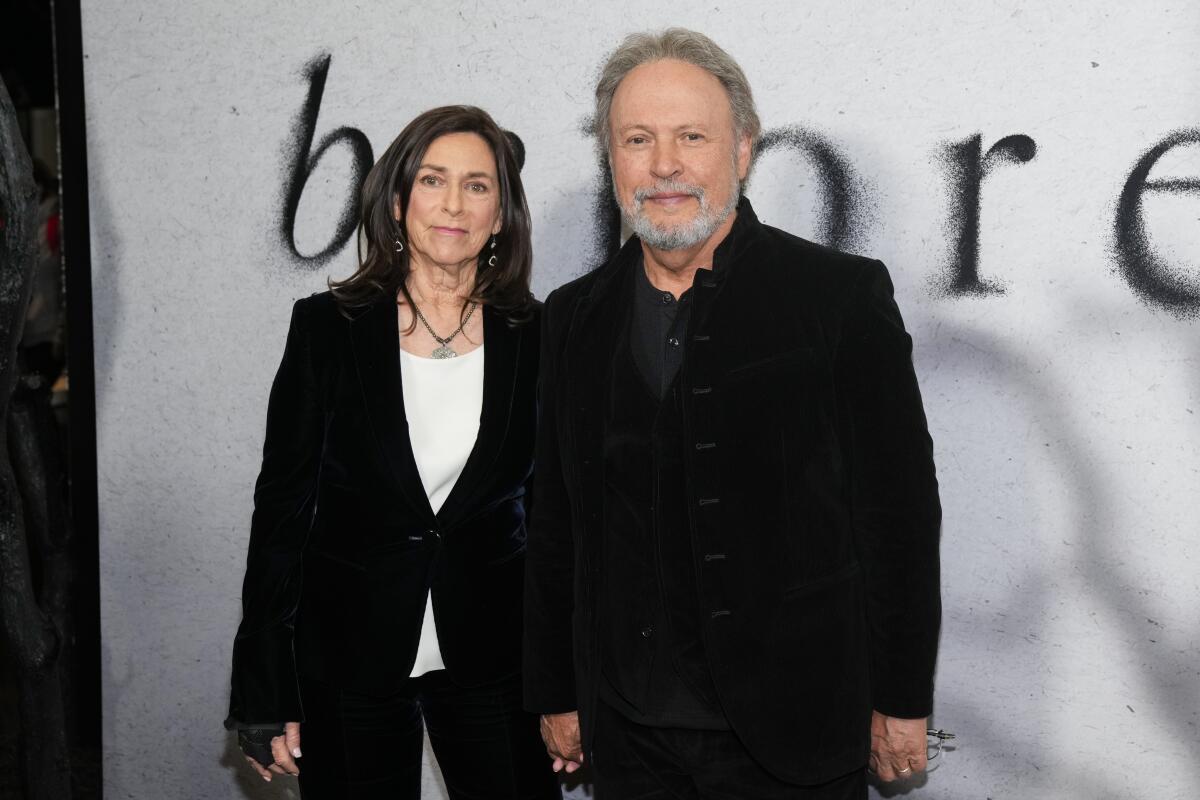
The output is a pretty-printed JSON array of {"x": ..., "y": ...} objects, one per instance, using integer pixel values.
[{"x": 676, "y": 162}]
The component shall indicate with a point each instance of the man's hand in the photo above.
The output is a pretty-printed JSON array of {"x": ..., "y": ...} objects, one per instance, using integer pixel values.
[
  {"x": 284, "y": 749},
  {"x": 897, "y": 746},
  {"x": 560, "y": 732}
]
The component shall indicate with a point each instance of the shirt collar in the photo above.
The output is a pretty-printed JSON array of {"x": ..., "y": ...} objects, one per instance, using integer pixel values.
[{"x": 646, "y": 293}]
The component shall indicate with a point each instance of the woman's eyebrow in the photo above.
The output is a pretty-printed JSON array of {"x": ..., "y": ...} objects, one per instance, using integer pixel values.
[{"x": 444, "y": 170}]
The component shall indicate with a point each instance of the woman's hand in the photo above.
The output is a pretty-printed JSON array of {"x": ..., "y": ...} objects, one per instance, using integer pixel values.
[{"x": 284, "y": 750}]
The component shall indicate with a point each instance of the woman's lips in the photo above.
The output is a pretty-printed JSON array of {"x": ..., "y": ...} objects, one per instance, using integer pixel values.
[{"x": 449, "y": 231}]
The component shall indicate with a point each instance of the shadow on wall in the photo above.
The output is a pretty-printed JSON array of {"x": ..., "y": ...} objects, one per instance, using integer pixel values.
[
  {"x": 1168, "y": 674},
  {"x": 249, "y": 784}
]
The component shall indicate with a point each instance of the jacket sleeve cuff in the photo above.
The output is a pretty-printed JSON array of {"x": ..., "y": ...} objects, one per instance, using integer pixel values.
[{"x": 264, "y": 687}]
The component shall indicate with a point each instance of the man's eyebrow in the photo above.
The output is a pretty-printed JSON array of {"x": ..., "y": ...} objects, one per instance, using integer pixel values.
[{"x": 645, "y": 126}]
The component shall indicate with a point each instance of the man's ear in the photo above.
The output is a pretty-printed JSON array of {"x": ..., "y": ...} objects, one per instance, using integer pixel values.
[{"x": 744, "y": 153}]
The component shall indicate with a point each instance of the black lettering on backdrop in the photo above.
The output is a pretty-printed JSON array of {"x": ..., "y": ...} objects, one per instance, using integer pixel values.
[
  {"x": 606, "y": 214},
  {"x": 300, "y": 160},
  {"x": 606, "y": 217},
  {"x": 843, "y": 212},
  {"x": 1148, "y": 273},
  {"x": 968, "y": 166},
  {"x": 845, "y": 206}
]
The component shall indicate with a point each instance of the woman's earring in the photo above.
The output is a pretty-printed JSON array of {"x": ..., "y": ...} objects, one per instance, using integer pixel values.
[
  {"x": 399, "y": 245},
  {"x": 492, "y": 261}
]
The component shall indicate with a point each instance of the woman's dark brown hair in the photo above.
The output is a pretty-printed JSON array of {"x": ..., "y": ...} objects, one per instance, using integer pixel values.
[{"x": 382, "y": 271}]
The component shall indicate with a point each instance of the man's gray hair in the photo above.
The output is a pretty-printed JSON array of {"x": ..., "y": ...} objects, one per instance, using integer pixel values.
[{"x": 680, "y": 44}]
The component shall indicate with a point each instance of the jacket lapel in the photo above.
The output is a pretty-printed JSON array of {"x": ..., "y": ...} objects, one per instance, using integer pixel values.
[
  {"x": 376, "y": 343},
  {"x": 591, "y": 341},
  {"x": 501, "y": 351}
]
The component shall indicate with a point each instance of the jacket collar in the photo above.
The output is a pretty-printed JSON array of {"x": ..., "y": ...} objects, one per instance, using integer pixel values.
[
  {"x": 597, "y": 306},
  {"x": 746, "y": 229}
]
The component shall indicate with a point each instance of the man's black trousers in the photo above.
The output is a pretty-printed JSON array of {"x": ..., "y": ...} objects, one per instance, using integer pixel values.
[{"x": 638, "y": 762}]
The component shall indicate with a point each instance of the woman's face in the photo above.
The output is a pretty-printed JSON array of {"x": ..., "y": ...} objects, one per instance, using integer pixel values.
[{"x": 454, "y": 206}]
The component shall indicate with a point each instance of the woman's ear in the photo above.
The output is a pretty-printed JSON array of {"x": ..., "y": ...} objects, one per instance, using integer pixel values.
[
  {"x": 396, "y": 215},
  {"x": 499, "y": 222}
]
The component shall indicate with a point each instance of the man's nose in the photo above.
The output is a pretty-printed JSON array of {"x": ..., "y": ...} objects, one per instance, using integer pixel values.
[{"x": 664, "y": 161}]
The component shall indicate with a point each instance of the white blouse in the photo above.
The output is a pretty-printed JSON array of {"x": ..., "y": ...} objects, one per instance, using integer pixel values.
[{"x": 443, "y": 399}]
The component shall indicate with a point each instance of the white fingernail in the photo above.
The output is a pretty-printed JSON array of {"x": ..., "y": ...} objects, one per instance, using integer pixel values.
[{"x": 296, "y": 752}]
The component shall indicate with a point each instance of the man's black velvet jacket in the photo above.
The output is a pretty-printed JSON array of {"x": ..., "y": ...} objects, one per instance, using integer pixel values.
[
  {"x": 814, "y": 513},
  {"x": 343, "y": 543}
]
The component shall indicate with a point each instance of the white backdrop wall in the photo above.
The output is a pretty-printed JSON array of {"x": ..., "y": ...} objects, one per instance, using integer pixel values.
[{"x": 1000, "y": 157}]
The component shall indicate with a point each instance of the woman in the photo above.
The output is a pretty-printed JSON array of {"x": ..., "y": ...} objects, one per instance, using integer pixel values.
[{"x": 384, "y": 577}]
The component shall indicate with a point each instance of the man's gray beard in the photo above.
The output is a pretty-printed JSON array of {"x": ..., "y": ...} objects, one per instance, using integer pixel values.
[{"x": 681, "y": 235}]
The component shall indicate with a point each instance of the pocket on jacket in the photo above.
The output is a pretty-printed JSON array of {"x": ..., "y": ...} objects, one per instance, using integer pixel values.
[
  {"x": 818, "y": 662},
  {"x": 402, "y": 544},
  {"x": 821, "y": 581},
  {"x": 778, "y": 361}
]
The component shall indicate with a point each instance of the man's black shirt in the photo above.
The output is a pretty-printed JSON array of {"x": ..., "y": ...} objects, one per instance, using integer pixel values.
[
  {"x": 659, "y": 327},
  {"x": 655, "y": 670}
]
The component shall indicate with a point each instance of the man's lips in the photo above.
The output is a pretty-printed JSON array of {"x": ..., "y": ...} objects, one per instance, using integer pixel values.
[{"x": 670, "y": 198}]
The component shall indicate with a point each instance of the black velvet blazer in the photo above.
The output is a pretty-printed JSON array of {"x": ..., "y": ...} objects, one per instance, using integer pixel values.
[
  {"x": 814, "y": 512},
  {"x": 343, "y": 543}
]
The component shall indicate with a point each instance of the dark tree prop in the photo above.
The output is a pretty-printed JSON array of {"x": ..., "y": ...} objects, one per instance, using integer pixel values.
[{"x": 30, "y": 636}]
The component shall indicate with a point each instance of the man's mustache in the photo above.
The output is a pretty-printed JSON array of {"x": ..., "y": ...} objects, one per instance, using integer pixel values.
[{"x": 667, "y": 187}]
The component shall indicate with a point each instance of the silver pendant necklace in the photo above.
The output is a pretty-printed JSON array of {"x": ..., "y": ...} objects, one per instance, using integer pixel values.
[{"x": 443, "y": 350}]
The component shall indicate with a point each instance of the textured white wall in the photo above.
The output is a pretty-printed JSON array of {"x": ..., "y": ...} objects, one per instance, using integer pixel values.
[{"x": 1063, "y": 408}]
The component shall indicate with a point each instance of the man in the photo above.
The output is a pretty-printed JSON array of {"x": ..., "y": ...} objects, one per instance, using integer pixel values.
[{"x": 732, "y": 575}]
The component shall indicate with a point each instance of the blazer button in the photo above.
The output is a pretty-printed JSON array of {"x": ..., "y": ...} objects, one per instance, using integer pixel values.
[{"x": 647, "y": 632}]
